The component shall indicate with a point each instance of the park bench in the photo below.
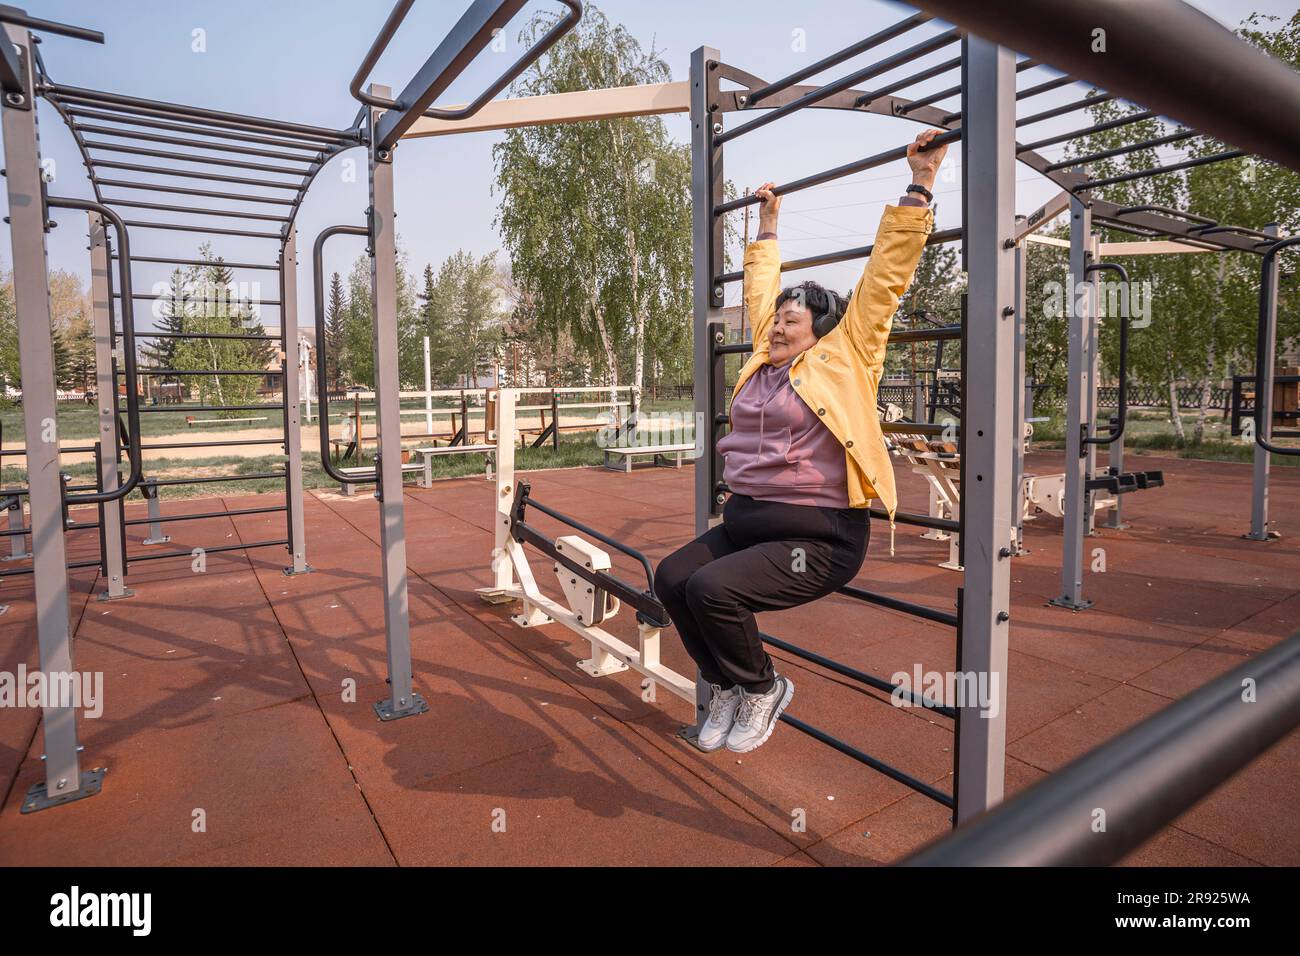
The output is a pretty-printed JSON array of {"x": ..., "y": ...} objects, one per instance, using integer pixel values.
[{"x": 620, "y": 459}]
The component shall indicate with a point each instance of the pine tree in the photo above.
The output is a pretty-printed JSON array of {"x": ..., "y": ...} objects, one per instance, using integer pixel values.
[
  {"x": 329, "y": 366},
  {"x": 161, "y": 352}
]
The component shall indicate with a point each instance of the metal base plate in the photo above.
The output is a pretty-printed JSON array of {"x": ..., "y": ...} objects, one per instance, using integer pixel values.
[
  {"x": 1072, "y": 605},
  {"x": 92, "y": 781},
  {"x": 1268, "y": 536},
  {"x": 290, "y": 572},
  {"x": 163, "y": 540},
  {"x": 105, "y": 596},
  {"x": 385, "y": 711},
  {"x": 613, "y": 667},
  {"x": 691, "y": 734}
]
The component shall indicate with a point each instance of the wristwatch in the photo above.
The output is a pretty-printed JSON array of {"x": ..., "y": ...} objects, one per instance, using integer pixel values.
[{"x": 917, "y": 188}]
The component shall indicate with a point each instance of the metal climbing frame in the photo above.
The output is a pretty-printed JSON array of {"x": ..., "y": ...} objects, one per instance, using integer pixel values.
[
  {"x": 127, "y": 126},
  {"x": 988, "y": 93},
  {"x": 215, "y": 142},
  {"x": 1211, "y": 80}
]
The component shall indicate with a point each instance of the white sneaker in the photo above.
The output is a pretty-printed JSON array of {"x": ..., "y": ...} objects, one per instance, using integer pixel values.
[
  {"x": 722, "y": 714},
  {"x": 757, "y": 714}
]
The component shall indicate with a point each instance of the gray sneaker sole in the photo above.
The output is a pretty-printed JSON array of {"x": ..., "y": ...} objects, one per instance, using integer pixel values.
[{"x": 771, "y": 724}]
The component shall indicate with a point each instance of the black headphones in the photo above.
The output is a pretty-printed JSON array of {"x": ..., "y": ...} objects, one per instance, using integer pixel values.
[{"x": 824, "y": 322}]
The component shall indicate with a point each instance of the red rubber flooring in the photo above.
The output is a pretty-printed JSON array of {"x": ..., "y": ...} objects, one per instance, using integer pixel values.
[{"x": 232, "y": 734}]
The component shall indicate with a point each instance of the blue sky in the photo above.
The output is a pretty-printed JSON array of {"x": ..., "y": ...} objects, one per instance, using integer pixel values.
[{"x": 292, "y": 59}]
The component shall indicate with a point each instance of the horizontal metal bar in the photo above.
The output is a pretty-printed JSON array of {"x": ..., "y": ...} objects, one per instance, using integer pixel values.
[
  {"x": 206, "y": 160},
  {"x": 197, "y": 211},
  {"x": 182, "y": 190},
  {"x": 269, "y": 509},
  {"x": 210, "y": 230},
  {"x": 1158, "y": 170},
  {"x": 906, "y": 607},
  {"x": 240, "y": 336},
  {"x": 830, "y": 89},
  {"x": 213, "y": 116},
  {"x": 180, "y": 409},
  {"x": 192, "y": 174},
  {"x": 1120, "y": 150},
  {"x": 216, "y": 549},
  {"x": 1079, "y": 133},
  {"x": 205, "y": 335},
  {"x": 191, "y": 372},
  {"x": 229, "y": 443},
  {"x": 82, "y": 113},
  {"x": 20, "y": 19},
  {"x": 835, "y": 59},
  {"x": 844, "y": 255},
  {"x": 1145, "y": 777},
  {"x": 850, "y": 751},
  {"x": 838, "y": 172},
  {"x": 22, "y": 451},
  {"x": 920, "y": 521},
  {"x": 939, "y": 333},
  {"x": 178, "y": 141},
  {"x": 861, "y": 677},
  {"x": 927, "y": 74},
  {"x": 914, "y": 105},
  {"x": 213, "y": 479},
  {"x": 1065, "y": 108},
  {"x": 72, "y": 566},
  {"x": 1209, "y": 230},
  {"x": 202, "y": 262}
]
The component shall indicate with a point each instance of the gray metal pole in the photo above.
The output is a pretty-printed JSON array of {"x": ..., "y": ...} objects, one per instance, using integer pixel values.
[
  {"x": 292, "y": 432},
  {"x": 707, "y": 252},
  {"x": 64, "y": 780},
  {"x": 402, "y": 701},
  {"x": 1077, "y": 501},
  {"x": 1018, "y": 410},
  {"x": 101, "y": 305},
  {"x": 988, "y": 103},
  {"x": 1263, "y": 458},
  {"x": 1093, "y": 362}
]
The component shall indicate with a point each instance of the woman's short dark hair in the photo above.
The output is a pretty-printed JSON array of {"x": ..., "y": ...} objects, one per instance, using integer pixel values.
[{"x": 812, "y": 295}]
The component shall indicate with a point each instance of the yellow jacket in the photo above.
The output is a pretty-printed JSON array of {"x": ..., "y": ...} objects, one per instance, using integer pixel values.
[{"x": 839, "y": 377}]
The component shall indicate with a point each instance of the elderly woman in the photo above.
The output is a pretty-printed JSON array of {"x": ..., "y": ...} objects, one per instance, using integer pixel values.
[{"x": 804, "y": 456}]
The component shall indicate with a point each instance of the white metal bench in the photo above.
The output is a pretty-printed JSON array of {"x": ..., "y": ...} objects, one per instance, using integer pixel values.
[
  {"x": 661, "y": 454},
  {"x": 428, "y": 454}
]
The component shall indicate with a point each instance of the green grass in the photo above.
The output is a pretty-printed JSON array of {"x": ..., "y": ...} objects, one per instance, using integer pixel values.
[{"x": 1149, "y": 430}]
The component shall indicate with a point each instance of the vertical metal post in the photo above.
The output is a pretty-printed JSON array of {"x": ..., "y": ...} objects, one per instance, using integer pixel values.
[
  {"x": 402, "y": 701},
  {"x": 707, "y": 255},
  {"x": 149, "y": 488},
  {"x": 1077, "y": 501},
  {"x": 1262, "y": 457},
  {"x": 64, "y": 779},
  {"x": 988, "y": 192},
  {"x": 1018, "y": 410},
  {"x": 112, "y": 534},
  {"x": 292, "y": 396},
  {"x": 428, "y": 390},
  {"x": 1093, "y": 363}
]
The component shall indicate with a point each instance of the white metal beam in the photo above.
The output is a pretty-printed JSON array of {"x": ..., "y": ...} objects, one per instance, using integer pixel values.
[{"x": 645, "y": 100}]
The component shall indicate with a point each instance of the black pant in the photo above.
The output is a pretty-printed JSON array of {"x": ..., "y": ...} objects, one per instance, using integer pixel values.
[{"x": 764, "y": 556}]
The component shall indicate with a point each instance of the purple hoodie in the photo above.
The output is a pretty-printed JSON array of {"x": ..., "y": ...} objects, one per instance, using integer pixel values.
[{"x": 778, "y": 449}]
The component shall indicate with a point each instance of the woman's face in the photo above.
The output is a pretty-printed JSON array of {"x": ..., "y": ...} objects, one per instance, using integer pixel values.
[{"x": 792, "y": 332}]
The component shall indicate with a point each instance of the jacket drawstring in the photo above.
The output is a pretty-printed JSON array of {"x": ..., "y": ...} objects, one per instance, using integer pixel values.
[{"x": 891, "y": 535}]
